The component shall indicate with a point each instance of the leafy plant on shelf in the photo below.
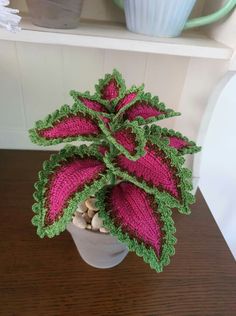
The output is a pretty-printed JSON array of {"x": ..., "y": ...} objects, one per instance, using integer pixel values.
[{"x": 135, "y": 170}]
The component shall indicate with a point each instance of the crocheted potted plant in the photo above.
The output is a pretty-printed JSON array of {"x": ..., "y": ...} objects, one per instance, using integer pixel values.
[{"x": 133, "y": 170}]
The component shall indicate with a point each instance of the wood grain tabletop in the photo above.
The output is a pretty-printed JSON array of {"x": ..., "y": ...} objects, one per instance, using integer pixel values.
[{"x": 48, "y": 277}]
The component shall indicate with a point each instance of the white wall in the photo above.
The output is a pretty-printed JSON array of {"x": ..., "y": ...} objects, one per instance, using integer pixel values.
[{"x": 218, "y": 161}]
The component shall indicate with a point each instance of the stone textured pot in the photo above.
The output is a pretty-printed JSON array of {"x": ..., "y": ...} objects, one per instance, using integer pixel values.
[
  {"x": 97, "y": 249},
  {"x": 61, "y": 14}
]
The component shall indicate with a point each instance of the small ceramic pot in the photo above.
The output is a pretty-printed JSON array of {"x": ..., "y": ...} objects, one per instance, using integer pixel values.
[
  {"x": 97, "y": 249},
  {"x": 61, "y": 14}
]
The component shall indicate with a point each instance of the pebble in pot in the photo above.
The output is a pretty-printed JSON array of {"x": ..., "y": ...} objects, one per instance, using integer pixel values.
[
  {"x": 90, "y": 204},
  {"x": 86, "y": 216},
  {"x": 81, "y": 208},
  {"x": 79, "y": 221},
  {"x": 96, "y": 222},
  {"x": 91, "y": 213},
  {"x": 103, "y": 230}
]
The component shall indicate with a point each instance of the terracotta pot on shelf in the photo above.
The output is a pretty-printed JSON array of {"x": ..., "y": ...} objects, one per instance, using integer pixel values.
[
  {"x": 97, "y": 249},
  {"x": 61, "y": 14}
]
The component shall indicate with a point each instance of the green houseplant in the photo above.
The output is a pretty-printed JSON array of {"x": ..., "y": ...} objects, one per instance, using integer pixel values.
[{"x": 134, "y": 169}]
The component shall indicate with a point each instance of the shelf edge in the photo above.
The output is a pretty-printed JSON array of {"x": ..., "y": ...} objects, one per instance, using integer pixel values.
[{"x": 102, "y": 42}]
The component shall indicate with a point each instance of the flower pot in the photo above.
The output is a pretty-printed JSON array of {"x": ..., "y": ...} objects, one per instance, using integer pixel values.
[
  {"x": 61, "y": 14},
  {"x": 157, "y": 17},
  {"x": 97, "y": 249}
]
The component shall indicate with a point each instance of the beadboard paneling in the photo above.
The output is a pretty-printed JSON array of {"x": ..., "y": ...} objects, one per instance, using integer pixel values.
[
  {"x": 165, "y": 76},
  {"x": 131, "y": 65},
  {"x": 42, "y": 79},
  {"x": 201, "y": 78},
  {"x": 82, "y": 67},
  {"x": 11, "y": 106}
]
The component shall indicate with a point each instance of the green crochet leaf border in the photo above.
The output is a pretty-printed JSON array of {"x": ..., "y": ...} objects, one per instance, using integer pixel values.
[
  {"x": 139, "y": 91},
  {"x": 103, "y": 81},
  {"x": 154, "y": 101},
  {"x": 139, "y": 138},
  {"x": 157, "y": 131},
  {"x": 152, "y": 131},
  {"x": 87, "y": 95},
  {"x": 184, "y": 174},
  {"x": 57, "y": 115},
  {"x": 148, "y": 254},
  {"x": 48, "y": 166}
]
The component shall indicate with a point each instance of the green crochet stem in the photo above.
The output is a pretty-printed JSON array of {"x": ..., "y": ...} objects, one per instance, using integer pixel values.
[{"x": 113, "y": 177}]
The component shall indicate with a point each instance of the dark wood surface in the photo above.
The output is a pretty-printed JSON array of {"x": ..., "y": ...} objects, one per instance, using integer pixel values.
[{"x": 48, "y": 277}]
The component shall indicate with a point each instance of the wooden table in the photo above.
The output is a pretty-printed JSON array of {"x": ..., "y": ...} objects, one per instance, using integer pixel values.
[{"x": 47, "y": 277}]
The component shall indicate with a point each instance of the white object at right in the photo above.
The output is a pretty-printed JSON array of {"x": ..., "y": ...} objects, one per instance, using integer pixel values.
[{"x": 218, "y": 159}]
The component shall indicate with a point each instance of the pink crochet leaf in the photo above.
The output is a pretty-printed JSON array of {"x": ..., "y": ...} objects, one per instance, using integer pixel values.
[
  {"x": 127, "y": 100},
  {"x": 73, "y": 126},
  {"x": 159, "y": 170},
  {"x": 181, "y": 143},
  {"x": 147, "y": 109},
  {"x": 91, "y": 103},
  {"x": 175, "y": 139},
  {"x": 110, "y": 90},
  {"x": 128, "y": 139},
  {"x": 154, "y": 169},
  {"x": 68, "y": 178},
  {"x": 134, "y": 216},
  {"x": 177, "y": 143},
  {"x": 65, "y": 125},
  {"x": 111, "y": 87},
  {"x": 132, "y": 209}
]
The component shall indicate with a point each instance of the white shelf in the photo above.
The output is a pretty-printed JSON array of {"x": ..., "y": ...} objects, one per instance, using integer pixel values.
[{"x": 115, "y": 36}]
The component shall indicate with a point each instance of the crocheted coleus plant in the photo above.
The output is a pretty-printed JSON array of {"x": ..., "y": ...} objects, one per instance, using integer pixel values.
[{"x": 136, "y": 171}]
